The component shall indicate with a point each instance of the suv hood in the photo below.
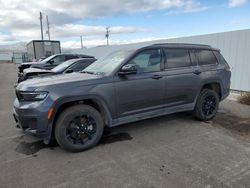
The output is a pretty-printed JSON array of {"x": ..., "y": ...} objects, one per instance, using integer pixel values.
[
  {"x": 62, "y": 79},
  {"x": 28, "y": 63},
  {"x": 36, "y": 70},
  {"x": 33, "y": 64}
]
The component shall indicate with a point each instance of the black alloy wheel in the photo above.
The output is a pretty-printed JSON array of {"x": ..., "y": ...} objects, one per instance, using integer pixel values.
[
  {"x": 78, "y": 128},
  {"x": 81, "y": 129},
  {"x": 207, "y": 105}
]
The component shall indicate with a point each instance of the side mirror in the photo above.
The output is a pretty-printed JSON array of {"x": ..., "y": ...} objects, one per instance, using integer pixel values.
[
  {"x": 51, "y": 62},
  {"x": 69, "y": 71},
  {"x": 128, "y": 69}
]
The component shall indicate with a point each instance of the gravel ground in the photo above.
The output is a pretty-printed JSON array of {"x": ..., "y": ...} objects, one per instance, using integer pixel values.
[{"x": 169, "y": 151}]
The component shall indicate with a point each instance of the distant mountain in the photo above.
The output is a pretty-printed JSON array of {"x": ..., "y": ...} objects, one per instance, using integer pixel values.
[{"x": 16, "y": 47}]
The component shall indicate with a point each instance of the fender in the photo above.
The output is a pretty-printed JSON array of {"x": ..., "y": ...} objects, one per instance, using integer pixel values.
[
  {"x": 211, "y": 81},
  {"x": 63, "y": 100},
  {"x": 99, "y": 100}
]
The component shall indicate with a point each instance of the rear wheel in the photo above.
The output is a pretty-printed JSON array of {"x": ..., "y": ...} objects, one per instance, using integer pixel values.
[
  {"x": 207, "y": 105},
  {"x": 78, "y": 128}
]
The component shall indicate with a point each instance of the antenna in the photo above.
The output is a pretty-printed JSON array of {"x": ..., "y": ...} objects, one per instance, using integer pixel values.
[
  {"x": 41, "y": 24},
  {"x": 48, "y": 24},
  {"x": 107, "y": 35}
]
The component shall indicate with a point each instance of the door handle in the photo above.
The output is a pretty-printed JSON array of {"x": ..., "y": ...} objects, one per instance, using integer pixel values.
[
  {"x": 197, "y": 72},
  {"x": 157, "y": 77}
]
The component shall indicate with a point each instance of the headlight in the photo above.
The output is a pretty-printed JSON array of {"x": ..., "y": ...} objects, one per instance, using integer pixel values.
[{"x": 31, "y": 95}]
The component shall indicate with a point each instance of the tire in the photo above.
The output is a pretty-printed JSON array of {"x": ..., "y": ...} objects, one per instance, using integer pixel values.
[
  {"x": 207, "y": 105},
  {"x": 69, "y": 124}
]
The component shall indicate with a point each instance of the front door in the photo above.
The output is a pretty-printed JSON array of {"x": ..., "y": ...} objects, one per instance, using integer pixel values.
[{"x": 143, "y": 91}]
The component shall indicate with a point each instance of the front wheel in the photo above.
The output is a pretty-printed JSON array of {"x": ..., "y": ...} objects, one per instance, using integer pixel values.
[
  {"x": 78, "y": 128},
  {"x": 207, "y": 105}
]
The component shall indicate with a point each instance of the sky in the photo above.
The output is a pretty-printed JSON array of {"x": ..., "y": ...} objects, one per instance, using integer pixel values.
[{"x": 129, "y": 21}]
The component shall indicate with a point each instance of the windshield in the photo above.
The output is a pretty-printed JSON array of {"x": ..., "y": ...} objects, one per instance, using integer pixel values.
[
  {"x": 61, "y": 67},
  {"x": 107, "y": 64},
  {"x": 48, "y": 58}
]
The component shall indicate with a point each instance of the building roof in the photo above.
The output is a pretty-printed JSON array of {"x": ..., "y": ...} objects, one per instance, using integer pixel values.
[{"x": 54, "y": 41}]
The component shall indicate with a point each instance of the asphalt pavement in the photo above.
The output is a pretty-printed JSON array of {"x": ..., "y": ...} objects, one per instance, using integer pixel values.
[{"x": 169, "y": 151}]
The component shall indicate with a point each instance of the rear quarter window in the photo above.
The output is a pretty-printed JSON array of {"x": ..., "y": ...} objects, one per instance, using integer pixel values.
[
  {"x": 205, "y": 57},
  {"x": 220, "y": 57}
]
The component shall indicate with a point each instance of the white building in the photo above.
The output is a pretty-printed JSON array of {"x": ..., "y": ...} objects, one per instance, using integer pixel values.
[{"x": 234, "y": 45}]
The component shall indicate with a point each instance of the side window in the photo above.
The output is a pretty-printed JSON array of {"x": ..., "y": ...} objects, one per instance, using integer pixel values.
[
  {"x": 147, "y": 61},
  {"x": 68, "y": 57},
  {"x": 79, "y": 66},
  {"x": 205, "y": 57},
  {"x": 177, "y": 58},
  {"x": 58, "y": 59}
]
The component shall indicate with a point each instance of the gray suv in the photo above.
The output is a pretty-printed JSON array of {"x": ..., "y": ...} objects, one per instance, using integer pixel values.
[{"x": 123, "y": 87}]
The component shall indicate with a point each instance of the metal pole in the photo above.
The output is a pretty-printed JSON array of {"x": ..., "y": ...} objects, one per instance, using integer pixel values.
[
  {"x": 41, "y": 24},
  {"x": 81, "y": 42},
  {"x": 48, "y": 32}
]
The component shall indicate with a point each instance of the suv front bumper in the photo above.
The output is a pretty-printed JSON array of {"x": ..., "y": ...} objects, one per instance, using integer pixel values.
[{"x": 32, "y": 119}]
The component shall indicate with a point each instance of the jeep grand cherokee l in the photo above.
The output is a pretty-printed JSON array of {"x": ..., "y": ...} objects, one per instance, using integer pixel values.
[{"x": 123, "y": 87}]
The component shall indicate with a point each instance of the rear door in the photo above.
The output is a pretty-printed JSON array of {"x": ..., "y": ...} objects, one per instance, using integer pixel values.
[{"x": 181, "y": 83}]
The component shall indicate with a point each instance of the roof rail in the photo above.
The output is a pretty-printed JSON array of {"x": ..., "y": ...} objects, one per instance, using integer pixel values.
[{"x": 181, "y": 44}]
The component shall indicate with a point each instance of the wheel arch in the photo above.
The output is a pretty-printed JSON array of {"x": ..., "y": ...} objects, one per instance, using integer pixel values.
[
  {"x": 94, "y": 101},
  {"x": 215, "y": 86}
]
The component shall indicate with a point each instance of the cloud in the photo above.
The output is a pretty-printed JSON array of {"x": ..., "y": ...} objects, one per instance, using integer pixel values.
[
  {"x": 20, "y": 19},
  {"x": 99, "y": 42},
  {"x": 243, "y": 21},
  {"x": 69, "y": 30},
  {"x": 74, "y": 30},
  {"x": 236, "y": 3},
  {"x": 5, "y": 37},
  {"x": 193, "y": 9}
]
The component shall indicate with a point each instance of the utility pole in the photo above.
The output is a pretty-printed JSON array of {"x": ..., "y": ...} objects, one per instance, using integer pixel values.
[
  {"x": 48, "y": 32},
  {"x": 107, "y": 35},
  {"x": 81, "y": 42},
  {"x": 41, "y": 24}
]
